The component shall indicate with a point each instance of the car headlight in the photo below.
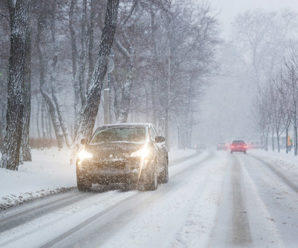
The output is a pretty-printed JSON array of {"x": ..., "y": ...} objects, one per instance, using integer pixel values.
[
  {"x": 82, "y": 155},
  {"x": 144, "y": 152}
]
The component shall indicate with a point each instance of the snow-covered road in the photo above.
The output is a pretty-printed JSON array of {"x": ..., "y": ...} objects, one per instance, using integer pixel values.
[{"x": 214, "y": 199}]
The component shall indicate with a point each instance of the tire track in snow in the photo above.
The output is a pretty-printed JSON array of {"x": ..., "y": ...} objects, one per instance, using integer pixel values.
[
  {"x": 49, "y": 220},
  {"x": 199, "y": 224},
  {"x": 241, "y": 228},
  {"x": 231, "y": 228},
  {"x": 278, "y": 173},
  {"x": 86, "y": 222},
  {"x": 274, "y": 206},
  {"x": 16, "y": 218},
  {"x": 10, "y": 222}
]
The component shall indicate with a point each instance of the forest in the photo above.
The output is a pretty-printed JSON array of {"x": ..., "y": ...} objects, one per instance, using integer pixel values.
[{"x": 58, "y": 57}]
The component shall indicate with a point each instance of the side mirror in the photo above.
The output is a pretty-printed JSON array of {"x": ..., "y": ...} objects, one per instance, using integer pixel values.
[
  {"x": 83, "y": 141},
  {"x": 160, "y": 139}
]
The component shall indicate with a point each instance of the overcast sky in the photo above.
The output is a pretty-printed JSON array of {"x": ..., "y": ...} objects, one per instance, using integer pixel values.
[
  {"x": 221, "y": 120},
  {"x": 228, "y": 9}
]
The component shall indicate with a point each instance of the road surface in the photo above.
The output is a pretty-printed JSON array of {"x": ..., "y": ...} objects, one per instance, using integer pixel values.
[{"x": 214, "y": 199}]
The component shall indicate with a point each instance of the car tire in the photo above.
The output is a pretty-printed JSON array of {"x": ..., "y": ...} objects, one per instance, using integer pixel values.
[
  {"x": 151, "y": 182},
  {"x": 83, "y": 183},
  {"x": 164, "y": 176}
]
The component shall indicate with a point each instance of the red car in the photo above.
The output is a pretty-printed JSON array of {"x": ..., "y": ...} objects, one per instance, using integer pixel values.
[{"x": 238, "y": 146}]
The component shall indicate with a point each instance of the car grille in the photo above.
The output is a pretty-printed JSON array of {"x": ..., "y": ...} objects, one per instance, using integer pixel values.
[
  {"x": 111, "y": 164},
  {"x": 110, "y": 156}
]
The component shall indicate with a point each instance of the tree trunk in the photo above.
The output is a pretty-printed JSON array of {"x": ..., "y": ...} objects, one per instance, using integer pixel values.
[
  {"x": 117, "y": 97},
  {"x": 43, "y": 119},
  {"x": 38, "y": 120},
  {"x": 287, "y": 137},
  {"x": 19, "y": 27},
  {"x": 295, "y": 140},
  {"x": 266, "y": 142},
  {"x": 54, "y": 117},
  {"x": 89, "y": 111},
  {"x": 278, "y": 141},
  {"x": 272, "y": 140},
  {"x": 126, "y": 88},
  {"x": 55, "y": 102},
  {"x": 46, "y": 97},
  {"x": 25, "y": 148},
  {"x": 74, "y": 57},
  {"x": 91, "y": 42},
  {"x": 155, "y": 68},
  {"x": 168, "y": 86},
  {"x": 61, "y": 119},
  {"x": 49, "y": 125},
  {"x": 2, "y": 109},
  {"x": 83, "y": 54}
]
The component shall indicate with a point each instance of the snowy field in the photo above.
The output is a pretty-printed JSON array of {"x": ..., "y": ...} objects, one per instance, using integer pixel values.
[{"x": 49, "y": 173}]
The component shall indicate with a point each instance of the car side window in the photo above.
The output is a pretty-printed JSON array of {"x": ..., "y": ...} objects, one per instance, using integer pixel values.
[{"x": 152, "y": 133}]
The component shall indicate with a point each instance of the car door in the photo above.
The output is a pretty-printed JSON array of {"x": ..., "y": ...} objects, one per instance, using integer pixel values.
[{"x": 160, "y": 148}]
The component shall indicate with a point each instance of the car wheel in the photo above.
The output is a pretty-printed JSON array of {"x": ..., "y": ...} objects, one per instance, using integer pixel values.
[
  {"x": 151, "y": 182},
  {"x": 164, "y": 176},
  {"x": 83, "y": 183}
]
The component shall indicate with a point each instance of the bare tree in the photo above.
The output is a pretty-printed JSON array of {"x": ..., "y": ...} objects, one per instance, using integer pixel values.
[
  {"x": 90, "y": 109},
  {"x": 292, "y": 83},
  {"x": 42, "y": 21},
  {"x": 19, "y": 12},
  {"x": 25, "y": 147},
  {"x": 128, "y": 53}
]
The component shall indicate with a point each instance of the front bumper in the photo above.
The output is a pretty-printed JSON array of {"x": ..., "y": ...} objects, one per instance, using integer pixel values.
[
  {"x": 112, "y": 172},
  {"x": 238, "y": 150}
]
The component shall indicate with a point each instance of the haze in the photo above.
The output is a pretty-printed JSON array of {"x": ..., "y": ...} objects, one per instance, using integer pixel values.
[
  {"x": 149, "y": 123},
  {"x": 228, "y": 9},
  {"x": 227, "y": 111}
]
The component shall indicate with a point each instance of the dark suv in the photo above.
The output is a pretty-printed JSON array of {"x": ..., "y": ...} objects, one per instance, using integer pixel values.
[
  {"x": 123, "y": 153},
  {"x": 238, "y": 146}
]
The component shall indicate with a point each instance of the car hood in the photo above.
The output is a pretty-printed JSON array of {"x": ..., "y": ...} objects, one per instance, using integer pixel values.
[{"x": 113, "y": 150}]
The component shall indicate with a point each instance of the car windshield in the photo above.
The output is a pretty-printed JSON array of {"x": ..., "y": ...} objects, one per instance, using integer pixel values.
[
  {"x": 119, "y": 134},
  {"x": 238, "y": 142}
]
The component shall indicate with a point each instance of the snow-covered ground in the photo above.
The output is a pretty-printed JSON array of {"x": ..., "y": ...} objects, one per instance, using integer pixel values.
[
  {"x": 49, "y": 173},
  {"x": 213, "y": 199},
  {"x": 284, "y": 164}
]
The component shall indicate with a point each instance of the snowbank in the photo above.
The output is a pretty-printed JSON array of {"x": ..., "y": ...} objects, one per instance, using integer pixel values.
[
  {"x": 50, "y": 172},
  {"x": 287, "y": 164}
]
